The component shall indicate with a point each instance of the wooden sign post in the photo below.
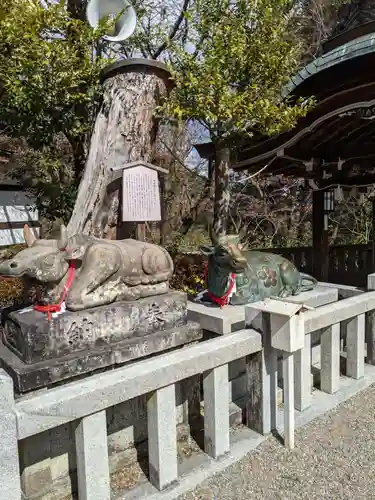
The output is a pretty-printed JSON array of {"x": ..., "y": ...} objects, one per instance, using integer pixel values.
[{"x": 140, "y": 194}]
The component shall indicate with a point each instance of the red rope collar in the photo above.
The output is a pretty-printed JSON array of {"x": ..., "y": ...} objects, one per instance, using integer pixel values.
[
  {"x": 54, "y": 308},
  {"x": 224, "y": 300}
]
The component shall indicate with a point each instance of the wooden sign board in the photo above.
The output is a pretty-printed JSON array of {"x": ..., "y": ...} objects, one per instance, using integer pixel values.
[{"x": 140, "y": 195}]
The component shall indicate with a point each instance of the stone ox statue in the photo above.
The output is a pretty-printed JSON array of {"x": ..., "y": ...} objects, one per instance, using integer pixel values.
[
  {"x": 89, "y": 272},
  {"x": 240, "y": 277}
]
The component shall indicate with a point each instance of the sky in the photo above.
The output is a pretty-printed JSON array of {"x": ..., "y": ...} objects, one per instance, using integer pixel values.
[{"x": 197, "y": 132}]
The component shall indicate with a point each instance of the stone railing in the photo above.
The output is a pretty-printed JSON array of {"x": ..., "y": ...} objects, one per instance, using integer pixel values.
[
  {"x": 86, "y": 402},
  {"x": 338, "y": 323},
  {"x": 348, "y": 264},
  {"x": 287, "y": 331},
  {"x": 331, "y": 318}
]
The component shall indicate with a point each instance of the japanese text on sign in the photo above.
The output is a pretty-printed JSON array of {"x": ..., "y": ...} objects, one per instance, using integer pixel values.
[{"x": 141, "y": 196}]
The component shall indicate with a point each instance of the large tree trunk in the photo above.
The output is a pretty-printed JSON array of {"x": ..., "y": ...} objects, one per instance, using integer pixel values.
[
  {"x": 222, "y": 192},
  {"x": 125, "y": 131}
]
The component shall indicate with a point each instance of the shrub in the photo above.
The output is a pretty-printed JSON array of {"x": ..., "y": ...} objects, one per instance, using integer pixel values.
[
  {"x": 189, "y": 274},
  {"x": 12, "y": 291}
]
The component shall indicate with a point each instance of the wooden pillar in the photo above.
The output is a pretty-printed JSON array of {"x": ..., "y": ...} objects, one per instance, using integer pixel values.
[
  {"x": 124, "y": 230},
  {"x": 320, "y": 238},
  {"x": 141, "y": 231},
  {"x": 261, "y": 375}
]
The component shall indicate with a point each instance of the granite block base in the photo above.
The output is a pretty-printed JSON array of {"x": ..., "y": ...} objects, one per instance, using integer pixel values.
[
  {"x": 29, "y": 377},
  {"x": 35, "y": 338}
]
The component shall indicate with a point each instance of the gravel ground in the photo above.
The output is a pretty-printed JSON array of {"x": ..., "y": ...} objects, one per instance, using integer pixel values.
[{"x": 334, "y": 459}]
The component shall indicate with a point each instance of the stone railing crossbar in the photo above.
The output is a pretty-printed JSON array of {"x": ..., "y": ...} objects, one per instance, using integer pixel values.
[
  {"x": 337, "y": 312},
  {"x": 75, "y": 400},
  {"x": 86, "y": 401},
  {"x": 346, "y": 317}
]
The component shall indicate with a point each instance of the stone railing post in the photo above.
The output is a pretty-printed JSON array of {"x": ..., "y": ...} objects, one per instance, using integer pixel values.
[
  {"x": 162, "y": 437},
  {"x": 330, "y": 359},
  {"x": 355, "y": 346},
  {"x": 261, "y": 371},
  {"x": 282, "y": 327},
  {"x": 370, "y": 325},
  {"x": 302, "y": 376},
  {"x": 216, "y": 411},
  {"x": 92, "y": 457},
  {"x": 10, "y": 482}
]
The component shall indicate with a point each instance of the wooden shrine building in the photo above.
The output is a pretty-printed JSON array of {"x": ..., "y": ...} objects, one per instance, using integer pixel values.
[{"x": 334, "y": 145}]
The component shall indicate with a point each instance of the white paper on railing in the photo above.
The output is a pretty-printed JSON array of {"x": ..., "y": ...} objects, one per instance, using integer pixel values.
[
  {"x": 274, "y": 306},
  {"x": 287, "y": 322}
]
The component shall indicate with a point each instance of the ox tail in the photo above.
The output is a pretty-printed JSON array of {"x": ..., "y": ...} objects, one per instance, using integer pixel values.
[{"x": 307, "y": 282}]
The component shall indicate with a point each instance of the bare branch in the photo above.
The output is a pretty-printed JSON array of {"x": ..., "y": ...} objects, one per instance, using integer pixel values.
[{"x": 174, "y": 30}]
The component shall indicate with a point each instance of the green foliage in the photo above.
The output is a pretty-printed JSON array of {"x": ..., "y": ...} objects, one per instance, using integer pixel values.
[
  {"x": 48, "y": 70},
  {"x": 49, "y": 74},
  {"x": 351, "y": 221},
  {"x": 158, "y": 23},
  {"x": 231, "y": 72},
  {"x": 189, "y": 275},
  {"x": 48, "y": 175},
  {"x": 11, "y": 292}
]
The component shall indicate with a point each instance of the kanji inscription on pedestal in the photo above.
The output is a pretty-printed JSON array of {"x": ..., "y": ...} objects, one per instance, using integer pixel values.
[{"x": 140, "y": 195}]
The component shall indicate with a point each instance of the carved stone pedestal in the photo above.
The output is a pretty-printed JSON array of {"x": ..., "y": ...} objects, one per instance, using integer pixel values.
[{"x": 38, "y": 352}]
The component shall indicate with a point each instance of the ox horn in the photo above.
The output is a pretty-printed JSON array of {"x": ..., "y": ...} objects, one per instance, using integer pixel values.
[
  {"x": 63, "y": 241},
  {"x": 28, "y": 235}
]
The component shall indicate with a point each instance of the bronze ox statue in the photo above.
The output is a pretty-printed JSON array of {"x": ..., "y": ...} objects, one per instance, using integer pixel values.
[
  {"x": 240, "y": 276},
  {"x": 89, "y": 272}
]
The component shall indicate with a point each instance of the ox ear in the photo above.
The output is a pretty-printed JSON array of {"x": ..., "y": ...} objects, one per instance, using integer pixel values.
[
  {"x": 28, "y": 235},
  {"x": 206, "y": 249}
]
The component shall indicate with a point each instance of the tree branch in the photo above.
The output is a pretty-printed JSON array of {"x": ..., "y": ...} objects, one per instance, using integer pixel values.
[
  {"x": 174, "y": 30},
  {"x": 178, "y": 159},
  {"x": 77, "y": 9}
]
